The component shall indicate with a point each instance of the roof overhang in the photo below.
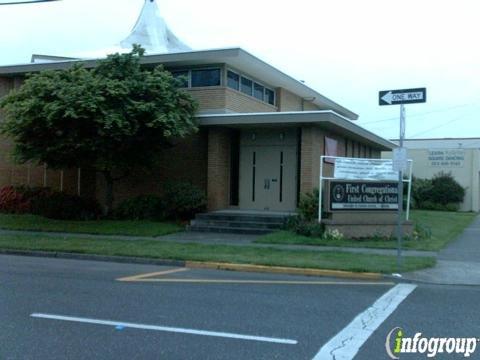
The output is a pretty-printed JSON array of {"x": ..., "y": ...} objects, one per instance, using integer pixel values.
[
  {"x": 326, "y": 119},
  {"x": 235, "y": 57}
]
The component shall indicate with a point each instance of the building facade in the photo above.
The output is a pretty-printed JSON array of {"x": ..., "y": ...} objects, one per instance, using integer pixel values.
[{"x": 261, "y": 135}]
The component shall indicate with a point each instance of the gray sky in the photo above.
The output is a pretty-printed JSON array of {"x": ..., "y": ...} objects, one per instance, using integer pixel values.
[{"x": 347, "y": 50}]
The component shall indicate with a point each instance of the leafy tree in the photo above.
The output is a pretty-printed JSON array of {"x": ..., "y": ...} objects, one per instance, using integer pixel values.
[{"x": 112, "y": 118}]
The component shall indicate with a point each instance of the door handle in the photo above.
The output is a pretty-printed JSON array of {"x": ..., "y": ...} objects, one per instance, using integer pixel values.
[{"x": 266, "y": 184}]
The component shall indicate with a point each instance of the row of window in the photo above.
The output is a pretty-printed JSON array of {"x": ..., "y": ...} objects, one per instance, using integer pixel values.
[
  {"x": 212, "y": 77},
  {"x": 198, "y": 78},
  {"x": 250, "y": 87}
]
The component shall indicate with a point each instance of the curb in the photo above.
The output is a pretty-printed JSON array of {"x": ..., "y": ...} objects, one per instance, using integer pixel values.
[
  {"x": 283, "y": 270},
  {"x": 199, "y": 265}
]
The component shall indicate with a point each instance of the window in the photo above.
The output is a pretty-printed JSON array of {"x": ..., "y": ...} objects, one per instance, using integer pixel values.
[
  {"x": 246, "y": 86},
  {"x": 205, "y": 77},
  {"x": 330, "y": 149},
  {"x": 258, "y": 91},
  {"x": 182, "y": 76},
  {"x": 270, "y": 96},
  {"x": 233, "y": 80}
]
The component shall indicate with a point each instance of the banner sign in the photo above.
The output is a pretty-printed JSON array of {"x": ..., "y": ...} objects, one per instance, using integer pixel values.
[
  {"x": 349, "y": 195},
  {"x": 364, "y": 169}
]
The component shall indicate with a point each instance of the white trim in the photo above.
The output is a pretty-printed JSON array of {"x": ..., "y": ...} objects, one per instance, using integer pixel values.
[{"x": 278, "y": 113}]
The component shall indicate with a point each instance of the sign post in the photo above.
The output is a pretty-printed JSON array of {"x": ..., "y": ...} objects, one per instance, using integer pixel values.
[{"x": 401, "y": 97}]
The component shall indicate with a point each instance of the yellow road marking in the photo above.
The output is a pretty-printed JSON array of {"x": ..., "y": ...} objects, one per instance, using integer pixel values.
[
  {"x": 142, "y": 277},
  {"x": 263, "y": 282}
]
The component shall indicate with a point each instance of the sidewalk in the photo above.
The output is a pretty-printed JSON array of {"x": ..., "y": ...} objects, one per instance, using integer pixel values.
[
  {"x": 226, "y": 239},
  {"x": 458, "y": 263}
]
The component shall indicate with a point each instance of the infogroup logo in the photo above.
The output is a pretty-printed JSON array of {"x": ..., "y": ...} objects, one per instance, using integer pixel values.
[{"x": 397, "y": 343}]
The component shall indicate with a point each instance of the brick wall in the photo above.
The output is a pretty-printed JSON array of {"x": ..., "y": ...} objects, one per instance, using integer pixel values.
[
  {"x": 236, "y": 101},
  {"x": 288, "y": 101},
  {"x": 213, "y": 98},
  {"x": 184, "y": 162},
  {"x": 313, "y": 146},
  {"x": 218, "y": 168}
]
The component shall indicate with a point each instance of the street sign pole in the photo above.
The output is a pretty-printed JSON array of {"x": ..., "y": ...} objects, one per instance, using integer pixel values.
[
  {"x": 400, "y": 195},
  {"x": 401, "y": 97}
]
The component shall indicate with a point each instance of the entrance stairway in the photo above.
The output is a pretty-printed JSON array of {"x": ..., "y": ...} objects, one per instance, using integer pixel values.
[{"x": 239, "y": 222}]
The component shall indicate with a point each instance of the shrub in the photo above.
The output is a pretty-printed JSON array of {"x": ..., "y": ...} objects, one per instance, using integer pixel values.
[
  {"x": 301, "y": 226},
  {"x": 421, "y": 191},
  {"x": 62, "y": 206},
  {"x": 308, "y": 205},
  {"x": 183, "y": 200},
  {"x": 144, "y": 207},
  {"x": 446, "y": 190},
  {"x": 13, "y": 201},
  {"x": 442, "y": 193}
]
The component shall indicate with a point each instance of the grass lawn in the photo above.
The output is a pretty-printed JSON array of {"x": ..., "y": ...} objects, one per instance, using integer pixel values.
[
  {"x": 217, "y": 253},
  {"x": 103, "y": 227},
  {"x": 444, "y": 226}
]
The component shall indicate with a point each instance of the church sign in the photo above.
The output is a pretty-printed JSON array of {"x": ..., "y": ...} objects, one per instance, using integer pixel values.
[{"x": 363, "y": 195}]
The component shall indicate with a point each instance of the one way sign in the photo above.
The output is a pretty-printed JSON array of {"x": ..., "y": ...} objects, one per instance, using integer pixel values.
[{"x": 406, "y": 96}]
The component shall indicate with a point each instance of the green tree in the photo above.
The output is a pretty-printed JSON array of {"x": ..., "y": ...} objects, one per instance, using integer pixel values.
[{"x": 113, "y": 118}]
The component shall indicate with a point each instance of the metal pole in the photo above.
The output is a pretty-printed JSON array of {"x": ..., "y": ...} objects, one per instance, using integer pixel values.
[
  {"x": 320, "y": 191},
  {"x": 409, "y": 190},
  {"x": 400, "y": 195}
]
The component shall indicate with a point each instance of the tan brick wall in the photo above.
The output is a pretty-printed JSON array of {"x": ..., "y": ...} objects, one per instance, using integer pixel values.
[
  {"x": 242, "y": 103},
  {"x": 213, "y": 98},
  {"x": 312, "y": 147},
  {"x": 218, "y": 168},
  {"x": 288, "y": 101},
  {"x": 223, "y": 99}
]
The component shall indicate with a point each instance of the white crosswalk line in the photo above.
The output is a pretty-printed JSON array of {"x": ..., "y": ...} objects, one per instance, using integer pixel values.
[{"x": 345, "y": 345}]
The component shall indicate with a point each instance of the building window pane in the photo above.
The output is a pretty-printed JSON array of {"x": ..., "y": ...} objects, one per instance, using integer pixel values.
[
  {"x": 182, "y": 76},
  {"x": 233, "y": 80},
  {"x": 246, "y": 86},
  {"x": 270, "y": 96},
  {"x": 258, "y": 91},
  {"x": 207, "y": 77}
]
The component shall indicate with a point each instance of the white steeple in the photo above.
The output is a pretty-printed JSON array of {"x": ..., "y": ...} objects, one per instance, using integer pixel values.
[{"x": 152, "y": 32}]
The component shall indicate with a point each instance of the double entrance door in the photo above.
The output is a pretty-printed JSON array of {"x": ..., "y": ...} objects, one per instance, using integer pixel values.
[{"x": 268, "y": 177}]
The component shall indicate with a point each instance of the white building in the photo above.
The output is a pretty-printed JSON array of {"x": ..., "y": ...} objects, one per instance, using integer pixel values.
[{"x": 458, "y": 156}]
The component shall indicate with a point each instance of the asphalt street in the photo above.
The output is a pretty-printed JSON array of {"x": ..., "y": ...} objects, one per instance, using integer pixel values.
[{"x": 71, "y": 309}]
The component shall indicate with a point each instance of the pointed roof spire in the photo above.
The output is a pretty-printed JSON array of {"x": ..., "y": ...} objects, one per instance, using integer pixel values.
[{"x": 152, "y": 32}]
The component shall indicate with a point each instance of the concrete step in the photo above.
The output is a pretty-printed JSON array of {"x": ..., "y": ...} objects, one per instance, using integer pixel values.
[
  {"x": 229, "y": 230},
  {"x": 276, "y": 219}
]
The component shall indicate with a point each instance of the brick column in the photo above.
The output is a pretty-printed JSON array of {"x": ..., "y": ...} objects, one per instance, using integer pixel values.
[{"x": 218, "y": 187}]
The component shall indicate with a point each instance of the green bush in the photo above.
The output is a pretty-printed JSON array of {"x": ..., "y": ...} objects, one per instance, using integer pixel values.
[
  {"x": 62, "y": 206},
  {"x": 442, "y": 193},
  {"x": 183, "y": 200},
  {"x": 421, "y": 191},
  {"x": 446, "y": 190},
  {"x": 301, "y": 226},
  {"x": 144, "y": 207},
  {"x": 308, "y": 205}
]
